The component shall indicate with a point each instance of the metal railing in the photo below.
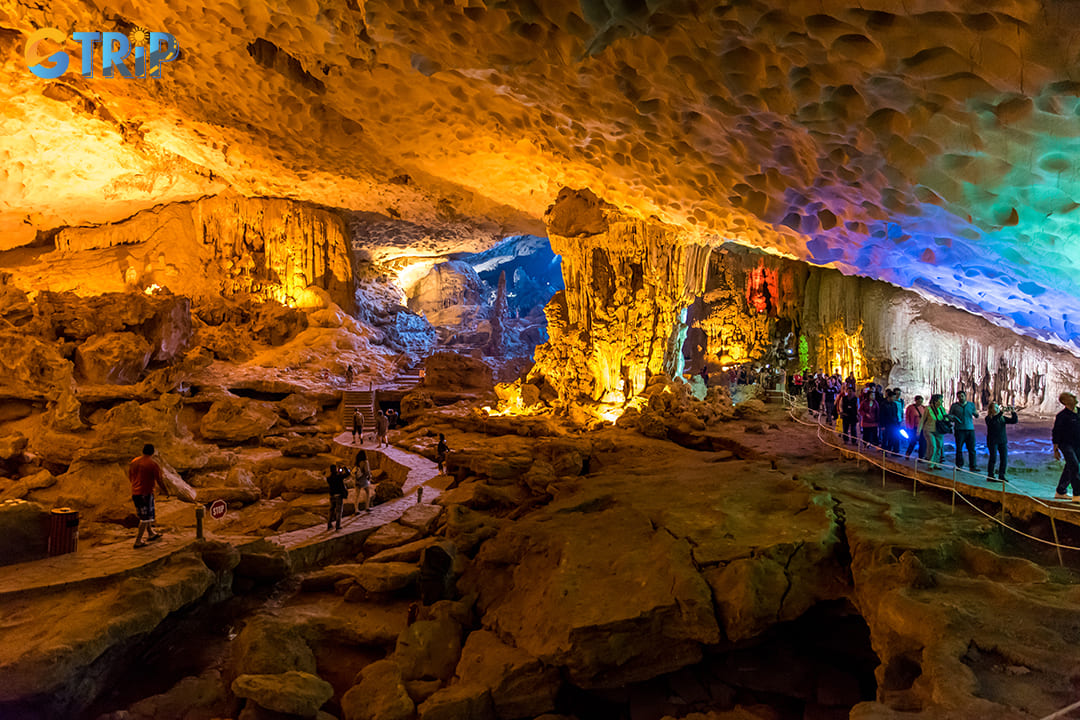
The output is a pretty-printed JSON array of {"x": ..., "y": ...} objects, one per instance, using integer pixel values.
[{"x": 900, "y": 464}]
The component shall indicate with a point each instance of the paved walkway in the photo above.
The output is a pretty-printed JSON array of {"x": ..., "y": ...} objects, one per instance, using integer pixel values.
[
  {"x": 117, "y": 560},
  {"x": 421, "y": 470}
]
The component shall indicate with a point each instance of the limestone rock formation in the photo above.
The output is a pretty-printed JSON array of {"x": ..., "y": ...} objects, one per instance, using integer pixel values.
[
  {"x": 291, "y": 693},
  {"x": 447, "y": 284},
  {"x": 519, "y": 684},
  {"x": 24, "y": 526},
  {"x": 379, "y": 694},
  {"x": 112, "y": 358},
  {"x": 236, "y": 420},
  {"x": 595, "y": 630}
]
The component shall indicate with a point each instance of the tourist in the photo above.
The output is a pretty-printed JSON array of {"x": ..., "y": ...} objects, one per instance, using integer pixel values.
[
  {"x": 144, "y": 474},
  {"x": 888, "y": 421},
  {"x": 996, "y": 440},
  {"x": 832, "y": 390},
  {"x": 848, "y": 406},
  {"x": 868, "y": 418},
  {"x": 335, "y": 481},
  {"x": 440, "y": 452},
  {"x": 850, "y": 381},
  {"x": 391, "y": 418},
  {"x": 932, "y": 428},
  {"x": 362, "y": 474},
  {"x": 813, "y": 395},
  {"x": 705, "y": 374},
  {"x": 963, "y": 413},
  {"x": 349, "y": 375},
  {"x": 796, "y": 383},
  {"x": 357, "y": 426},
  {"x": 382, "y": 426},
  {"x": 913, "y": 420},
  {"x": 1066, "y": 439},
  {"x": 897, "y": 438}
]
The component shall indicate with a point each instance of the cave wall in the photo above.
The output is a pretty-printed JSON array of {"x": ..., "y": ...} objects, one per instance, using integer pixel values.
[
  {"x": 271, "y": 248},
  {"x": 629, "y": 285}
]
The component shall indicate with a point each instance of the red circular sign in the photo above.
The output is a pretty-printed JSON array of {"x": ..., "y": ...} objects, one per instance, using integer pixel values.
[{"x": 218, "y": 508}]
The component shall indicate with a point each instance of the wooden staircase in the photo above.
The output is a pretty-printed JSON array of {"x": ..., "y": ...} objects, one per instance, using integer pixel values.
[{"x": 364, "y": 401}]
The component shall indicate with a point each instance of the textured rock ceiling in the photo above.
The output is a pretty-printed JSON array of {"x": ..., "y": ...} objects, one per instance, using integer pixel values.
[{"x": 931, "y": 144}]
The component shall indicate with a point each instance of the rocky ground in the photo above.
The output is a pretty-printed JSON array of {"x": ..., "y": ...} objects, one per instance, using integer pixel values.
[{"x": 608, "y": 574}]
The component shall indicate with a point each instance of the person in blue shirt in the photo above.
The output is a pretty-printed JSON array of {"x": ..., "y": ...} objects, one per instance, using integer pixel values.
[{"x": 963, "y": 414}]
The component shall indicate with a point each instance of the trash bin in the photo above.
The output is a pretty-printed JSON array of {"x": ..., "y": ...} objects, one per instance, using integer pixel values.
[{"x": 63, "y": 531}]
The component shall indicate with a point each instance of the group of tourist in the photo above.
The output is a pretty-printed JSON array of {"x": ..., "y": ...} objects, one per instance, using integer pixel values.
[
  {"x": 335, "y": 480},
  {"x": 884, "y": 421},
  {"x": 383, "y": 422},
  {"x": 822, "y": 390}
]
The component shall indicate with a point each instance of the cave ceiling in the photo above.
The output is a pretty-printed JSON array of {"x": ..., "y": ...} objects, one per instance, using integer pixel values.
[{"x": 930, "y": 144}]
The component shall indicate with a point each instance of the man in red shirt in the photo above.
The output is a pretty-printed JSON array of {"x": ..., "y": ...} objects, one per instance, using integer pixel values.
[{"x": 145, "y": 474}]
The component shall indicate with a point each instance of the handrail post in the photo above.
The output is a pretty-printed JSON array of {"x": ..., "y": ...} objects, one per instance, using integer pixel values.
[
  {"x": 1057, "y": 543},
  {"x": 953, "y": 490},
  {"x": 882, "y": 466},
  {"x": 1003, "y": 494}
]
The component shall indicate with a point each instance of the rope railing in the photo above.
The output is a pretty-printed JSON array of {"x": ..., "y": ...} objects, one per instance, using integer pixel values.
[{"x": 880, "y": 457}]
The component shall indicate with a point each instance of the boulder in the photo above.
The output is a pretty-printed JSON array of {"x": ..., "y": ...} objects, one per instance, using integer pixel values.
[
  {"x": 421, "y": 517},
  {"x": 408, "y": 553},
  {"x": 235, "y": 496},
  {"x": 520, "y": 685},
  {"x": 264, "y": 561},
  {"x": 22, "y": 487},
  {"x": 237, "y": 420},
  {"x": 458, "y": 702},
  {"x": 386, "y": 491},
  {"x": 12, "y": 445},
  {"x": 268, "y": 645},
  {"x": 379, "y": 694},
  {"x": 113, "y": 358},
  {"x": 293, "y": 692},
  {"x": 295, "y": 480},
  {"x": 414, "y": 403},
  {"x": 299, "y": 408},
  {"x": 24, "y": 532},
  {"x": 305, "y": 447},
  {"x": 390, "y": 535},
  {"x": 429, "y": 649},
  {"x": 386, "y": 577},
  {"x": 31, "y": 368}
]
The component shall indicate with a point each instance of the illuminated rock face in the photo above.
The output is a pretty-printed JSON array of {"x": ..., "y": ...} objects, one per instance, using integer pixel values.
[
  {"x": 931, "y": 145},
  {"x": 636, "y": 290},
  {"x": 626, "y": 283},
  {"x": 227, "y": 245}
]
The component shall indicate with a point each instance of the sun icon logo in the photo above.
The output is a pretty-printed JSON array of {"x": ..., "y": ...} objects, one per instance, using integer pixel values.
[{"x": 139, "y": 37}]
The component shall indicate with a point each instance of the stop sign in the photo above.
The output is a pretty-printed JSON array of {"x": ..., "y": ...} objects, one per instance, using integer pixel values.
[{"x": 218, "y": 508}]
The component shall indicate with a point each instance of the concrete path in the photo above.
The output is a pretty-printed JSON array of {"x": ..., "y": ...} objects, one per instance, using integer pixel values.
[
  {"x": 117, "y": 560},
  {"x": 421, "y": 470}
]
